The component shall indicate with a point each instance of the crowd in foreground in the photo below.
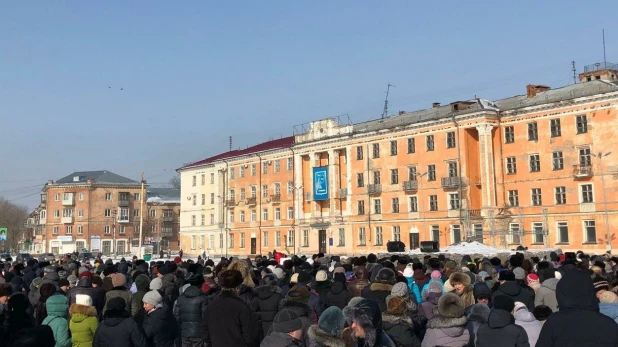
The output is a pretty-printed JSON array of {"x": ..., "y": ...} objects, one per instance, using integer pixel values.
[{"x": 318, "y": 302}]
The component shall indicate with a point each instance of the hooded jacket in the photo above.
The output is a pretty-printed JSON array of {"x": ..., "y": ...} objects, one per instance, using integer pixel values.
[
  {"x": 338, "y": 296},
  {"x": 378, "y": 293},
  {"x": 442, "y": 331},
  {"x": 320, "y": 338},
  {"x": 368, "y": 315},
  {"x": 83, "y": 325},
  {"x": 515, "y": 291},
  {"x": 579, "y": 322},
  {"x": 303, "y": 311},
  {"x": 546, "y": 295},
  {"x": 57, "y": 310},
  {"x": 229, "y": 322},
  {"x": 501, "y": 330},
  {"x": 268, "y": 298},
  {"x": 414, "y": 289},
  {"x": 84, "y": 286},
  {"x": 609, "y": 309},
  {"x": 526, "y": 320},
  {"x": 189, "y": 310},
  {"x": 277, "y": 339},
  {"x": 160, "y": 329},
  {"x": 118, "y": 329},
  {"x": 142, "y": 284},
  {"x": 400, "y": 329},
  {"x": 427, "y": 308},
  {"x": 121, "y": 292}
]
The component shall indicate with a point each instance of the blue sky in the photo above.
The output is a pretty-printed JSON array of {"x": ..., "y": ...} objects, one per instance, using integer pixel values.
[{"x": 196, "y": 73}]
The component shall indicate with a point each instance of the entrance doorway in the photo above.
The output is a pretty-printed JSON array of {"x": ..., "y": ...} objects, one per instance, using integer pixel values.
[
  {"x": 322, "y": 239},
  {"x": 414, "y": 241},
  {"x": 253, "y": 245}
]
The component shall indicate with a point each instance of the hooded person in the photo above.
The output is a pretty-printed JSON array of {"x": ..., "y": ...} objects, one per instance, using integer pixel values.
[
  {"x": 120, "y": 290},
  {"x": 476, "y": 317},
  {"x": 462, "y": 286},
  {"x": 83, "y": 323},
  {"x": 398, "y": 325},
  {"x": 528, "y": 321},
  {"x": 118, "y": 329},
  {"x": 546, "y": 294},
  {"x": 579, "y": 322},
  {"x": 57, "y": 312},
  {"x": 381, "y": 288},
  {"x": 541, "y": 313},
  {"x": 322, "y": 283},
  {"x": 448, "y": 326},
  {"x": 33, "y": 294},
  {"x": 189, "y": 310},
  {"x": 360, "y": 281},
  {"x": 159, "y": 327},
  {"x": 365, "y": 322},
  {"x": 338, "y": 295},
  {"x": 84, "y": 287},
  {"x": 500, "y": 329},
  {"x": 287, "y": 331},
  {"x": 16, "y": 316},
  {"x": 436, "y": 276},
  {"x": 431, "y": 297},
  {"x": 268, "y": 298},
  {"x": 513, "y": 289},
  {"x": 328, "y": 331},
  {"x": 482, "y": 293},
  {"x": 142, "y": 286},
  {"x": 413, "y": 287}
]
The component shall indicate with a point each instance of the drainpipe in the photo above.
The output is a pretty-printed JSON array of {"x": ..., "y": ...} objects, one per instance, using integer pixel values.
[
  {"x": 459, "y": 190},
  {"x": 368, "y": 207},
  {"x": 259, "y": 213},
  {"x": 294, "y": 193},
  {"x": 223, "y": 208}
]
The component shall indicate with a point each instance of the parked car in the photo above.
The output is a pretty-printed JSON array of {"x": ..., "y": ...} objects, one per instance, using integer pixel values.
[
  {"x": 47, "y": 257},
  {"x": 24, "y": 257},
  {"x": 85, "y": 256},
  {"x": 5, "y": 256}
]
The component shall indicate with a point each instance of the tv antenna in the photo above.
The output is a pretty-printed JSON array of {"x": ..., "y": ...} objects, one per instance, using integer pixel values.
[
  {"x": 385, "y": 112},
  {"x": 604, "y": 57},
  {"x": 574, "y": 71}
]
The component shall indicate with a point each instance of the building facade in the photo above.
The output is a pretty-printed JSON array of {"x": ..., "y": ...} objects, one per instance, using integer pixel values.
[
  {"x": 162, "y": 219},
  {"x": 532, "y": 170}
]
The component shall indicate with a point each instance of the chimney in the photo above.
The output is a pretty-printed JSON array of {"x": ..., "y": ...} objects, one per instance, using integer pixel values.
[
  {"x": 532, "y": 90},
  {"x": 402, "y": 112},
  {"x": 50, "y": 182},
  {"x": 435, "y": 105},
  {"x": 90, "y": 180}
]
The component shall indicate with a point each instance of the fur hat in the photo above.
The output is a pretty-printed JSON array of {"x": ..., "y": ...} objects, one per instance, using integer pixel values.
[
  {"x": 479, "y": 313},
  {"x": 83, "y": 299},
  {"x": 366, "y": 314},
  {"x": 503, "y": 302},
  {"x": 400, "y": 289},
  {"x": 450, "y": 265},
  {"x": 386, "y": 276},
  {"x": 459, "y": 278},
  {"x": 279, "y": 273},
  {"x": 519, "y": 273},
  {"x": 294, "y": 278},
  {"x": 609, "y": 297},
  {"x": 541, "y": 312},
  {"x": 152, "y": 297},
  {"x": 299, "y": 294},
  {"x": 355, "y": 300},
  {"x": 287, "y": 321},
  {"x": 156, "y": 284},
  {"x": 396, "y": 305},
  {"x": 119, "y": 280},
  {"x": 230, "y": 279},
  {"x": 436, "y": 275},
  {"x": 245, "y": 272},
  {"x": 450, "y": 305},
  {"x": 332, "y": 321},
  {"x": 321, "y": 276}
]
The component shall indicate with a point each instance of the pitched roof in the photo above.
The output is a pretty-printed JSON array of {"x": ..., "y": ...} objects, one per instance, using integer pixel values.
[
  {"x": 99, "y": 177},
  {"x": 284, "y": 142},
  {"x": 163, "y": 195}
]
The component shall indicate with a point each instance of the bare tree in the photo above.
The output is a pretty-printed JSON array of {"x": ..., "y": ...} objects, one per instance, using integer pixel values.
[
  {"x": 13, "y": 217},
  {"x": 174, "y": 182}
]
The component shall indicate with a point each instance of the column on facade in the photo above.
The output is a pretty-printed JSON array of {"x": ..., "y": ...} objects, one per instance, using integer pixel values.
[
  {"x": 333, "y": 163},
  {"x": 349, "y": 180},
  {"x": 313, "y": 158},
  {"x": 487, "y": 164},
  {"x": 299, "y": 189}
]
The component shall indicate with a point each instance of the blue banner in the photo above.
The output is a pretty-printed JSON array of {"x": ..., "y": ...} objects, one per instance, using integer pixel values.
[{"x": 320, "y": 183}]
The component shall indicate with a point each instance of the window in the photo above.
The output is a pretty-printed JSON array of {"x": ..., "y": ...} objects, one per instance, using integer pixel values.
[
  {"x": 359, "y": 152},
  {"x": 107, "y": 213},
  {"x": 395, "y": 205},
  {"x": 435, "y": 233},
  {"x": 264, "y": 191},
  {"x": 277, "y": 213},
  {"x": 212, "y": 178},
  {"x": 533, "y": 132},
  {"x": 378, "y": 236},
  {"x": 394, "y": 176},
  {"x": 193, "y": 220},
  {"x": 290, "y": 188},
  {"x": 376, "y": 177},
  {"x": 411, "y": 146},
  {"x": 277, "y": 167},
  {"x": 57, "y": 213},
  {"x": 232, "y": 173},
  {"x": 203, "y": 179},
  {"x": 452, "y": 169},
  {"x": 563, "y": 232},
  {"x": 57, "y": 197},
  {"x": 106, "y": 229},
  {"x": 253, "y": 191},
  {"x": 67, "y": 212},
  {"x": 265, "y": 239},
  {"x": 211, "y": 242},
  {"x": 194, "y": 181},
  {"x": 123, "y": 229},
  {"x": 511, "y": 165},
  {"x": 584, "y": 157},
  {"x": 535, "y": 163},
  {"x": 557, "y": 161},
  {"x": 413, "y": 204},
  {"x": 305, "y": 238},
  {"x": 231, "y": 240},
  {"x": 43, "y": 214},
  {"x": 221, "y": 241},
  {"x": 429, "y": 143},
  {"x": 80, "y": 213},
  {"x": 290, "y": 239},
  {"x": 124, "y": 214},
  {"x": 242, "y": 194},
  {"x": 431, "y": 172},
  {"x": 361, "y": 207},
  {"x": 203, "y": 219},
  {"x": 453, "y": 199},
  {"x": 212, "y": 219},
  {"x": 590, "y": 230},
  {"x": 396, "y": 233},
  {"x": 376, "y": 150},
  {"x": 537, "y": 231},
  {"x": 560, "y": 195},
  {"x": 290, "y": 213},
  {"x": 153, "y": 213},
  {"x": 290, "y": 164},
  {"x": 253, "y": 215},
  {"x": 135, "y": 213},
  {"x": 277, "y": 188},
  {"x": 194, "y": 199},
  {"x": 394, "y": 147},
  {"x": 362, "y": 240},
  {"x": 341, "y": 237},
  {"x": 253, "y": 170},
  {"x": 536, "y": 197},
  {"x": 433, "y": 203},
  {"x": 587, "y": 194},
  {"x": 231, "y": 217},
  {"x": 193, "y": 241},
  {"x": 582, "y": 124},
  {"x": 277, "y": 238},
  {"x": 478, "y": 230},
  {"x": 456, "y": 233},
  {"x": 108, "y": 196},
  {"x": 412, "y": 173},
  {"x": 515, "y": 233},
  {"x": 509, "y": 134},
  {"x": 137, "y": 197},
  {"x": 80, "y": 230},
  {"x": 81, "y": 196},
  {"x": 241, "y": 216},
  {"x": 555, "y": 129},
  {"x": 360, "y": 181},
  {"x": 377, "y": 206},
  {"x": 68, "y": 229},
  {"x": 513, "y": 198},
  {"x": 202, "y": 241},
  {"x": 241, "y": 171},
  {"x": 265, "y": 214},
  {"x": 264, "y": 168},
  {"x": 450, "y": 140}
]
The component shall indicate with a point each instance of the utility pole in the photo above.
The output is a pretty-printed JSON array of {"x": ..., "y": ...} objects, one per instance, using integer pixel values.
[
  {"x": 608, "y": 246},
  {"x": 141, "y": 219},
  {"x": 574, "y": 71},
  {"x": 385, "y": 112},
  {"x": 604, "y": 56},
  {"x": 114, "y": 228}
]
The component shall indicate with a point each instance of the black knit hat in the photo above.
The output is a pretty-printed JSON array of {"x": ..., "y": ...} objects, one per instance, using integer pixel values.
[
  {"x": 304, "y": 277},
  {"x": 541, "y": 312},
  {"x": 287, "y": 321},
  {"x": 64, "y": 282},
  {"x": 506, "y": 275},
  {"x": 503, "y": 302}
]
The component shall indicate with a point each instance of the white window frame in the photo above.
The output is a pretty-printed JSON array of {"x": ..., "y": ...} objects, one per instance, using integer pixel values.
[
  {"x": 80, "y": 229},
  {"x": 585, "y": 230},
  {"x": 193, "y": 241},
  {"x": 277, "y": 238},
  {"x": 362, "y": 236},
  {"x": 341, "y": 237},
  {"x": 289, "y": 240},
  {"x": 451, "y": 207},
  {"x": 581, "y": 193},
  {"x": 452, "y": 232},
  {"x": 277, "y": 191},
  {"x": 123, "y": 214},
  {"x": 57, "y": 197},
  {"x": 290, "y": 213},
  {"x": 533, "y": 227},
  {"x": 212, "y": 219},
  {"x": 432, "y": 229},
  {"x": 277, "y": 166},
  {"x": 277, "y": 213},
  {"x": 108, "y": 196},
  {"x": 558, "y": 234},
  {"x": 242, "y": 240},
  {"x": 107, "y": 230},
  {"x": 241, "y": 216},
  {"x": 80, "y": 213},
  {"x": 305, "y": 238},
  {"x": 290, "y": 163},
  {"x": 203, "y": 219},
  {"x": 379, "y": 236},
  {"x": 193, "y": 220},
  {"x": 265, "y": 214},
  {"x": 253, "y": 215},
  {"x": 515, "y": 239},
  {"x": 81, "y": 196},
  {"x": 396, "y": 233}
]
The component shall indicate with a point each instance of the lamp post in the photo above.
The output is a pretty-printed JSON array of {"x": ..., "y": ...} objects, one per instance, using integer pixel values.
[{"x": 601, "y": 155}]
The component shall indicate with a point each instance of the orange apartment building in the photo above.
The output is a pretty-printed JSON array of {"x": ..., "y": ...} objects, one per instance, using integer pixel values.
[{"x": 524, "y": 170}]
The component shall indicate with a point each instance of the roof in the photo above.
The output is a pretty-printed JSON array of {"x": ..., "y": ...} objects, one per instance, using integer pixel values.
[
  {"x": 283, "y": 142},
  {"x": 100, "y": 177},
  {"x": 163, "y": 195}
]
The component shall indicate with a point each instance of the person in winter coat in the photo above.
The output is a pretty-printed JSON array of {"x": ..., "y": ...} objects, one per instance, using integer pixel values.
[
  {"x": 287, "y": 331},
  {"x": 609, "y": 305},
  {"x": 500, "y": 329},
  {"x": 328, "y": 331},
  {"x": 546, "y": 294},
  {"x": 526, "y": 320},
  {"x": 361, "y": 280},
  {"x": 462, "y": 286},
  {"x": 338, "y": 295},
  {"x": 160, "y": 328},
  {"x": 579, "y": 322},
  {"x": 29, "y": 273},
  {"x": 229, "y": 321},
  {"x": 45, "y": 292},
  {"x": 84, "y": 287},
  {"x": 167, "y": 281},
  {"x": 365, "y": 321},
  {"x": 189, "y": 311},
  {"x": 398, "y": 325},
  {"x": 118, "y": 329},
  {"x": 34, "y": 291},
  {"x": 142, "y": 284},
  {"x": 436, "y": 276},
  {"x": 413, "y": 287},
  {"x": 382, "y": 287},
  {"x": 57, "y": 312},
  {"x": 16, "y": 316},
  {"x": 119, "y": 290},
  {"x": 322, "y": 283},
  {"x": 431, "y": 297},
  {"x": 513, "y": 289},
  {"x": 298, "y": 298},
  {"x": 268, "y": 298},
  {"x": 482, "y": 293},
  {"x": 83, "y": 323},
  {"x": 448, "y": 326},
  {"x": 478, "y": 316}
]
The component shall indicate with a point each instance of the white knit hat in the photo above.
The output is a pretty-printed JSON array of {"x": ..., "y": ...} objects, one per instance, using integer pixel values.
[
  {"x": 408, "y": 272},
  {"x": 156, "y": 284},
  {"x": 152, "y": 297},
  {"x": 321, "y": 276},
  {"x": 83, "y": 299}
]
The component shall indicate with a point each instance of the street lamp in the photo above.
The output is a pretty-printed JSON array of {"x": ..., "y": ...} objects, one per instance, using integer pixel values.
[{"x": 607, "y": 235}]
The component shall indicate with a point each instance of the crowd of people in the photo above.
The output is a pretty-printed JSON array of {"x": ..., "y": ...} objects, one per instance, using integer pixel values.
[{"x": 322, "y": 301}]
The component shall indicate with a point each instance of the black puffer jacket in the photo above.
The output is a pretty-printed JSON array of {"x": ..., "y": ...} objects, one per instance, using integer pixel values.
[
  {"x": 268, "y": 298},
  {"x": 84, "y": 286},
  {"x": 189, "y": 310},
  {"x": 229, "y": 322},
  {"x": 378, "y": 293},
  {"x": 248, "y": 296},
  {"x": 501, "y": 330},
  {"x": 338, "y": 296},
  {"x": 516, "y": 292},
  {"x": 29, "y": 275},
  {"x": 400, "y": 329},
  {"x": 160, "y": 330},
  {"x": 118, "y": 329},
  {"x": 278, "y": 339}
]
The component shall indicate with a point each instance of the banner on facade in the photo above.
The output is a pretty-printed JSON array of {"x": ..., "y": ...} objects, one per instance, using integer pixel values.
[
  {"x": 95, "y": 244},
  {"x": 320, "y": 183}
]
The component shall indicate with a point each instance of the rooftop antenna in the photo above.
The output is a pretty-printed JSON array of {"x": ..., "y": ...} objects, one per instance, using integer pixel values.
[
  {"x": 574, "y": 71},
  {"x": 385, "y": 112},
  {"x": 230, "y": 143},
  {"x": 604, "y": 57}
]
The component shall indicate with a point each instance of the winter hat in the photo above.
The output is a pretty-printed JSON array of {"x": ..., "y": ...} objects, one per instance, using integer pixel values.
[
  {"x": 339, "y": 277},
  {"x": 400, "y": 289},
  {"x": 459, "y": 278},
  {"x": 503, "y": 302},
  {"x": 558, "y": 275},
  {"x": 483, "y": 275},
  {"x": 152, "y": 297},
  {"x": 279, "y": 273},
  {"x": 339, "y": 269},
  {"x": 35, "y": 283},
  {"x": 62, "y": 274},
  {"x": 265, "y": 271},
  {"x": 119, "y": 280},
  {"x": 386, "y": 276},
  {"x": 450, "y": 305},
  {"x": 396, "y": 305},
  {"x": 294, "y": 278},
  {"x": 354, "y": 301},
  {"x": 519, "y": 305},
  {"x": 434, "y": 287},
  {"x": 541, "y": 312},
  {"x": 531, "y": 278},
  {"x": 408, "y": 272},
  {"x": 609, "y": 297},
  {"x": 332, "y": 321},
  {"x": 163, "y": 270},
  {"x": 207, "y": 272},
  {"x": 287, "y": 321},
  {"x": 600, "y": 283},
  {"x": 506, "y": 275},
  {"x": 47, "y": 290},
  {"x": 156, "y": 284},
  {"x": 230, "y": 279},
  {"x": 519, "y": 273},
  {"x": 436, "y": 275},
  {"x": 83, "y": 299},
  {"x": 73, "y": 280},
  {"x": 321, "y": 276},
  {"x": 450, "y": 265},
  {"x": 82, "y": 269},
  {"x": 304, "y": 277},
  {"x": 298, "y": 294},
  {"x": 85, "y": 274},
  {"x": 64, "y": 282},
  {"x": 479, "y": 313},
  {"x": 116, "y": 304}
]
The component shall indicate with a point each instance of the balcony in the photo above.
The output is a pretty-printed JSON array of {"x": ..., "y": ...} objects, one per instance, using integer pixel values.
[
  {"x": 230, "y": 203},
  {"x": 374, "y": 189},
  {"x": 167, "y": 219},
  {"x": 66, "y": 220},
  {"x": 342, "y": 193},
  {"x": 582, "y": 171},
  {"x": 69, "y": 202},
  {"x": 123, "y": 203},
  {"x": 275, "y": 199},
  {"x": 410, "y": 186},
  {"x": 42, "y": 221},
  {"x": 123, "y": 219},
  {"x": 475, "y": 213},
  {"x": 252, "y": 201},
  {"x": 167, "y": 232},
  {"x": 451, "y": 182}
]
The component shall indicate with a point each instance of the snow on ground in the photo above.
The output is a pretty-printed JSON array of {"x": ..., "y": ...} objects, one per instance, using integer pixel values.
[{"x": 474, "y": 247}]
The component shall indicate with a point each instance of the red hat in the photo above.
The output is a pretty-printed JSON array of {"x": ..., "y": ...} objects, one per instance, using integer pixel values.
[
  {"x": 85, "y": 274},
  {"x": 562, "y": 258},
  {"x": 177, "y": 260},
  {"x": 532, "y": 278}
]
